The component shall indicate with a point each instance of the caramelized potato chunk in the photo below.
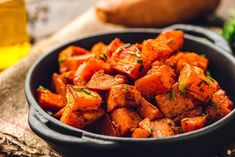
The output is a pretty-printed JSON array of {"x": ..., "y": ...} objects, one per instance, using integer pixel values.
[
  {"x": 163, "y": 128},
  {"x": 50, "y": 101},
  {"x": 147, "y": 110},
  {"x": 158, "y": 81},
  {"x": 179, "y": 60},
  {"x": 82, "y": 99},
  {"x": 174, "y": 39},
  {"x": 122, "y": 95},
  {"x": 174, "y": 103},
  {"x": 220, "y": 106},
  {"x": 102, "y": 81},
  {"x": 194, "y": 123},
  {"x": 192, "y": 80}
]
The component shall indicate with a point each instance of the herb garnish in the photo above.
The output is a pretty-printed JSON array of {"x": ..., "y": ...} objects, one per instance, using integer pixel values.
[
  {"x": 203, "y": 55},
  {"x": 88, "y": 92},
  {"x": 103, "y": 56},
  {"x": 139, "y": 61},
  {"x": 168, "y": 41},
  {"x": 172, "y": 94},
  {"x": 126, "y": 87},
  {"x": 119, "y": 49},
  {"x": 213, "y": 104},
  {"x": 187, "y": 88},
  {"x": 61, "y": 59},
  {"x": 135, "y": 53},
  {"x": 43, "y": 88},
  {"x": 208, "y": 75},
  {"x": 181, "y": 88}
]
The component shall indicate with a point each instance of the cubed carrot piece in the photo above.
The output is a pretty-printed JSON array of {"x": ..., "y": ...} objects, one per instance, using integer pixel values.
[
  {"x": 219, "y": 106},
  {"x": 157, "y": 81},
  {"x": 92, "y": 65},
  {"x": 59, "y": 84},
  {"x": 49, "y": 100},
  {"x": 122, "y": 95},
  {"x": 173, "y": 38},
  {"x": 179, "y": 60},
  {"x": 195, "y": 112},
  {"x": 147, "y": 110},
  {"x": 193, "y": 81},
  {"x": 194, "y": 123},
  {"x": 82, "y": 99},
  {"x": 162, "y": 128},
  {"x": 102, "y": 81},
  {"x": 128, "y": 60},
  {"x": 173, "y": 103},
  {"x": 125, "y": 120},
  {"x": 140, "y": 133},
  {"x": 72, "y": 63},
  {"x": 155, "y": 50},
  {"x": 106, "y": 127}
]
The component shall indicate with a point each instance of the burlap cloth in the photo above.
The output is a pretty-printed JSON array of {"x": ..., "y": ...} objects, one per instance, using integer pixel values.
[{"x": 16, "y": 137}]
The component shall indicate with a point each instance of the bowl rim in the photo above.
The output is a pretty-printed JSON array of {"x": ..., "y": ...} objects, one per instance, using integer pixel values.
[{"x": 205, "y": 130}]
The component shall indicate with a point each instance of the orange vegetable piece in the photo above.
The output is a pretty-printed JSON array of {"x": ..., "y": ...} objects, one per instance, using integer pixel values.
[
  {"x": 163, "y": 128},
  {"x": 59, "y": 84},
  {"x": 147, "y": 110},
  {"x": 125, "y": 120},
  {"x": 219, "y": 106},
  {"x": 92, "y": 65},
  {"x": 173, "y": 38},
  {"x": 140, "y": 133},
  {"x": 59, "y": 113},
  {"x": 82, "y": 99},
  {"x": 192, "y": 80},
  {"x": 98, "y": 48},
  {"x": 72, "y": 63},
  {"x": 194, "y": 123},
  {"x": 179, "y": 60},
  {"x": 128, "y": 60},
  {"x": 174, "y": 103},
  {"x": 50, "y": 101},
  {"x": 102, "y": 81},
  {"x": 116, "y": 43},
  {"x": 157, "y": 81},
  {"x": 122, "y": 95},
  {"x": 106, "y": 127}
]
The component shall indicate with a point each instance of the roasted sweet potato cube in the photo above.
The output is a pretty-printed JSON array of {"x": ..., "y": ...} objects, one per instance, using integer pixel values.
[
  {"x": 147, "y": 110},
  {"x": 80, "y": 98},
  {"x": 92, "y": 65},
  {"x": 128, "y": 60},
  {"x": 59, "y": 113},
  {"x": 146, "y": 124},
  {"x": 179, "y": 60},
  {"x": 173, "y": 38},
  {"x": 125, "y": 120},
  {"x": 195, "y": 112},
  {"x": 98, "y": 48},
  {"x": 69, "y": 76},
  {"x": 106, "y": 127},
  {"x": 162, "y": 128},
  {"x": 219, "y": 106},
  {"x": 192, "y": 80},
  {"x": 158, "y": 81},
  {"x": 140, "y": 133},
  {"x": 72, "y": 63},
  {"x": 102, "y": 81},
  {"x": 50, "y": 101},
  {"x": 59, "y": 84},
  {"x": 72, "y": 118},
  {"x": 92, "y": 116},
  {"x": 122, "y": 95},
  {"x": 194, "y": 123},
  {"x": 173, "y": 103},
  {"x": 155, "y": 50},
  {"x": 113, "y": 46}
]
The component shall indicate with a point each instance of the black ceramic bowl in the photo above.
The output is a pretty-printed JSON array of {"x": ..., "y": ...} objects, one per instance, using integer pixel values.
[{"x": 71, "y": 141}]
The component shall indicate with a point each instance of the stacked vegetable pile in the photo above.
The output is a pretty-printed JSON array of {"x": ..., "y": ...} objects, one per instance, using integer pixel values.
[{"x": 151, "y": 89}]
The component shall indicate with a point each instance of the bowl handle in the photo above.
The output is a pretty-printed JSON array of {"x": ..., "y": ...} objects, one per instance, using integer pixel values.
[
  {"x": 40, "y": 125},
  {"x": 203, "y": 32}
]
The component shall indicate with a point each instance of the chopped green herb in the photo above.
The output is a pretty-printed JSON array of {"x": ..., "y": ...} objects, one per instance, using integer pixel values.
[
  {"x": 172, "y": 94},
  {"x": 135, "y": 53},
  {"x": 213, "y": 104},
  {"x": 103, "y": 56},
  {"x": 126, "y": 87},
  {"x": 43, "y": 88},
  {"x": 61, "y": 59},
  {"x": 139, "y": 61},
  {"x": 126, "y": 45},
  {"x": 181, "y": 88},
  {"x": 77, "y": 88},
  {"x": 86, "y": 91},
  {"x": 185, "y": 119},
  {"x": 119, "y": 49},
  {"x": 210, "y": 78},
  {"x": 94, "y": 95},
  {"x": 208, "y": 73},
  {"x": 169, "y": 40},
  {"x": 203, "y": 55},
  {"x": 137, "y": 50}
]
